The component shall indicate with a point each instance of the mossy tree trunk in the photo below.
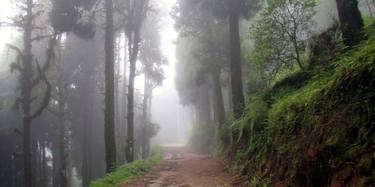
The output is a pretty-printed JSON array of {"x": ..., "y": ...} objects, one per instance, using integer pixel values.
[{"x": 350, "y": 21}]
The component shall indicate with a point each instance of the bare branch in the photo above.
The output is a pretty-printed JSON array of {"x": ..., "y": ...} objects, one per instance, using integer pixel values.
[
  {"x": 15, "y": 67},
  {"x": 47, "y": 96},
  {"x": 15, "y": 48},
  {"x": 50, "y": 56}
]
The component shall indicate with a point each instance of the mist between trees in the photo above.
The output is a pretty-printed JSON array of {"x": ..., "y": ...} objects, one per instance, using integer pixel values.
[{"x": 78, "y": 78}]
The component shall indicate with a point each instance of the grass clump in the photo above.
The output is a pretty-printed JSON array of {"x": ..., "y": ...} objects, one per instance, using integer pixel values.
[
  {"x": 315, "y": 127},
  {"x": 129, "y": 172}
]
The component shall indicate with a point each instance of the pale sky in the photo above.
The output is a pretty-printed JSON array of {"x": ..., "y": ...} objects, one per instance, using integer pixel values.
[
  {"x": 5, "y": 32},
  {"x": 168, "y": 36}
]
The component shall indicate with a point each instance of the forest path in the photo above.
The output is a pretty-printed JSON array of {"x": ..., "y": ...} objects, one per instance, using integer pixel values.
[{"x": 183, "y": 168}]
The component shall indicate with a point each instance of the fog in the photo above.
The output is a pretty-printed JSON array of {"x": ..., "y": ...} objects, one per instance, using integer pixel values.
[
  {"x": 88, "y": 86},
  {"x": 166, "y": 109},
  {"x": 174, "y": 119}
]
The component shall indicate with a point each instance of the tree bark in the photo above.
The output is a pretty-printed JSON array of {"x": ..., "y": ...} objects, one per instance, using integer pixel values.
[
  {"x": 137, "y": 15},
  {"x": 55, "y": 161},
  {"x": 133, "y": 52},
  {"x": 117, "y": 99},
  {"x": 44, "y": 165},
  {"x": 109, "y": 129},
  {"x": 203, "y": 106},
  {"x": 145, "y": 116},
  {"x": 236, "y": 70},
  {"x": 351, "y": 22},
  {"x": 87, "y": 98},
  {"x": 219, "y": 111},
  {"x": 62, "y": 147},
  {"x": 124, "y": 101},
  {"x": 62, "y": 169},
  {"x": 26, "y": 94}
]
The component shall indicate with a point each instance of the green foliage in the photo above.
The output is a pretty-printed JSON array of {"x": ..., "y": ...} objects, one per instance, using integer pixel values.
[
  {"x": 279, "y": 32},
  {"x": 313, "y": 125},
  {"x": 368, "y": 21},
  {"x": 129, "y": 172}
]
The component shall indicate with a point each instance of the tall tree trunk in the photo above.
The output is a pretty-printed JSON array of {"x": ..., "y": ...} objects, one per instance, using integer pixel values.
[
  {"x": 62, "y": 170},
  {"x": 55, "y": 161},
  {"x": 86, "y": 177},
  {"x": 44, "y": 165},
  {"x": 39, "y": 160},
  {"x": 351, "y": 22},
  {"x": 219, "y": 111},
  {"x": 62, "y": 148},
  {"x": 123, "y": 101},
  {"x": 86, "y": 86},
  {"x": 238, "y": 100},
  {"x": 130, "y": 116},
  {"x": 138, "y": 13},
  {"x": 133, "y": 52},
  {"x": 236, "y": 70},
  {"x": 26, "y": 91},
  {"x": 125, "y": 88},
  {"x": 203, "y": 106},
  {"x": 149, "y": 135},
  {"x": 110, "y": 143},
  {"x": 117, "y": 99},
  {"x": 145, "y": 116},
  {"x": 120, "y": 100}
]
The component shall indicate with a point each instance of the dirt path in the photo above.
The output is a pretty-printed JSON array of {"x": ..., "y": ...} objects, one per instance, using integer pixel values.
[{"x": 181, "y": 168}]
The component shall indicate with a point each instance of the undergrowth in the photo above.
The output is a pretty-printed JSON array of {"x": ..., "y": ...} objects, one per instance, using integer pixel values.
[
  {"x": 129, "y": 172},
  {"x": 315, "y": 127}
]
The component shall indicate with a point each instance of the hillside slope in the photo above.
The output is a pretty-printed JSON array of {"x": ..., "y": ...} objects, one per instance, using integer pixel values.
[{"x": 316, "y": 127}]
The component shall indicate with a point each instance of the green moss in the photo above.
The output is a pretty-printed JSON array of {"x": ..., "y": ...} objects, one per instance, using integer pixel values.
[
  {"x": 313, "y": 124},
  {"x": 128, "y": 172}
]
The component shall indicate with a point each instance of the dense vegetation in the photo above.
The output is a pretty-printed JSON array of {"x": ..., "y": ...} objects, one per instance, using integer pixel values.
[{"x": 315, "y": 127}]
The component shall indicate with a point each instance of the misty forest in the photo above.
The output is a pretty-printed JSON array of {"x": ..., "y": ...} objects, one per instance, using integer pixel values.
[{"x": 185, "y": 93}]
